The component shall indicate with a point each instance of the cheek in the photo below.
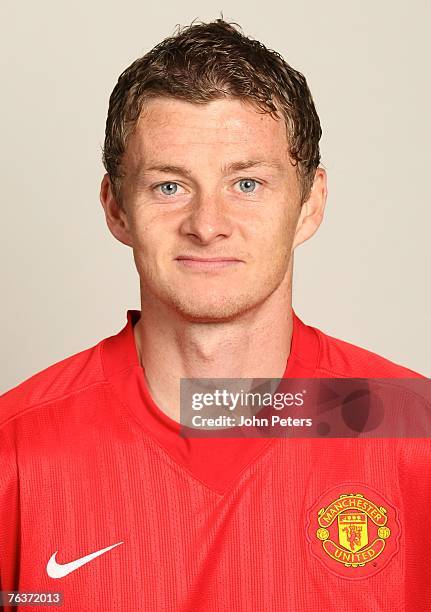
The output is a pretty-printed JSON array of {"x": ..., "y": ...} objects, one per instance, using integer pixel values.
[
  {"x": 151, "y": 250},
  {"x": 144, "y": 247},
  {"x": 152, "y": 231},
  {"x": 143, "y": 232},
  {"x": 276, "y": 234}
]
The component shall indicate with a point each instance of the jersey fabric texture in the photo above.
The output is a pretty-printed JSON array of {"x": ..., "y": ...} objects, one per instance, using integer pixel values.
[{"x": 90, "y": 464}]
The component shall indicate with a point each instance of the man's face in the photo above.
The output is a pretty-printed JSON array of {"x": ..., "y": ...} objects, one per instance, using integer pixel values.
[{"x": 210, "y": 181}]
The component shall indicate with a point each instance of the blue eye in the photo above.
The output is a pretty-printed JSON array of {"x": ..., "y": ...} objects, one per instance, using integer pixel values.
[
  {"x": 169, "y": 188},
  {"x": 247, "y": 185}
]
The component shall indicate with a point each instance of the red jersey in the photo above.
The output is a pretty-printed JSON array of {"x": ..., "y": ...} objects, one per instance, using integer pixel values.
[{"x": 103, "y": 501}]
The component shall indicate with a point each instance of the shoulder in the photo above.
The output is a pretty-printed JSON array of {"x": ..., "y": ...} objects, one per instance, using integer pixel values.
[
  {"x": 54, "y": 383},
  {"x": 344, "y": 359}
]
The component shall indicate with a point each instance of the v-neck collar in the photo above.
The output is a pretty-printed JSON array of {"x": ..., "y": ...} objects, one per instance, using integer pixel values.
[{"x": 215, "y": 462}]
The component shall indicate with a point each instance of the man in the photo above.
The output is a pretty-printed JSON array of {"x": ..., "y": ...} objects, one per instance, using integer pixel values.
[{"x": 213, "y": 179}]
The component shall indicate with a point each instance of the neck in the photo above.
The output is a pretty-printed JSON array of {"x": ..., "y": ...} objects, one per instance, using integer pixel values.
[{"x": 254, "y": 345}]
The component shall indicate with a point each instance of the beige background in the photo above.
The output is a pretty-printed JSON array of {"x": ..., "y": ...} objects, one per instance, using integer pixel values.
[{"x": 364, "y": 278}]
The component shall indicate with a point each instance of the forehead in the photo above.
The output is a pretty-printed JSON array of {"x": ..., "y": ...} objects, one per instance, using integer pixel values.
[{"x": 223, "y": 128}]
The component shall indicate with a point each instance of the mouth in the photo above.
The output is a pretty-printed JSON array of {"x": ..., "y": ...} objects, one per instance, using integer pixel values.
[{"x": 207, "y": 263}]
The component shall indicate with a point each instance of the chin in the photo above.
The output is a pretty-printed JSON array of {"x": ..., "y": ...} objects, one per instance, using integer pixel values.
[{"x": 216, "y": 311}]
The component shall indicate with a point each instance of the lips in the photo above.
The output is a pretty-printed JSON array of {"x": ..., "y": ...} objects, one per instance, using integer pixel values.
[
  {"x": 206, "y": 259},
  {"x": 207, "y": 263}
]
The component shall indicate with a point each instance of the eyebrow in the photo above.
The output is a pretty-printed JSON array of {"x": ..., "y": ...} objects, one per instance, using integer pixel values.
[{"x": 227, "y": 168}]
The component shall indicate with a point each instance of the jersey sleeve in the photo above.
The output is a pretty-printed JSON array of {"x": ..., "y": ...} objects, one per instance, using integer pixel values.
[{"x": 9, "y": 515}]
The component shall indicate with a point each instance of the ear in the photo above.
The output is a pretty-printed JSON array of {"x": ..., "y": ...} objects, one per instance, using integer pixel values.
[
  {"x": 116, "y": 217},
  {"x": 312, "y": 209}
]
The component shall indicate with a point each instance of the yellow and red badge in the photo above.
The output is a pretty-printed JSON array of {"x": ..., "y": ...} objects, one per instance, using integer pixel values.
[{"x": 353, "y": 530}]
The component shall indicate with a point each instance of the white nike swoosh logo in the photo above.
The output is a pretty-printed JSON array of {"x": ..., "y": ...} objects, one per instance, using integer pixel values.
[{"x": 57, "y": 570}]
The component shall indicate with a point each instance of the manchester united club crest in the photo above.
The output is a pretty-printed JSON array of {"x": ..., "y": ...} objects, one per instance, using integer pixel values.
[{"x": 353, "y": 530}]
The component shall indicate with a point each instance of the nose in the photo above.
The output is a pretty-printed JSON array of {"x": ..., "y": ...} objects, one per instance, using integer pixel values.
[{"x": 208, "y": 219}]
